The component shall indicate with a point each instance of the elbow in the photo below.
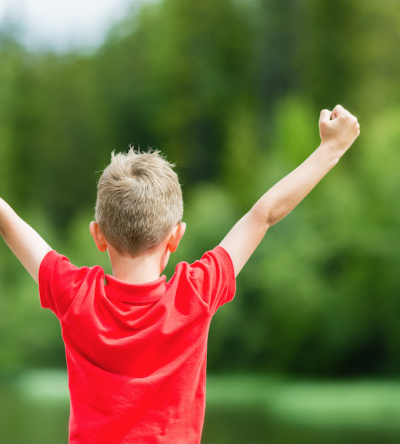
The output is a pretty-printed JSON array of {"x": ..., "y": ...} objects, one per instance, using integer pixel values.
[
  {"x": 273, "y": 218},
  {"x": 262, "y": 216},
  {"x": 268, "y": 216}
]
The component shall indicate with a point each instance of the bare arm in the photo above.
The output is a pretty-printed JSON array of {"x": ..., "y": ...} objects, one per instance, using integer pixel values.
[
  {"x": 337, "y": 135},
  {"x": 23, "y": 240}
]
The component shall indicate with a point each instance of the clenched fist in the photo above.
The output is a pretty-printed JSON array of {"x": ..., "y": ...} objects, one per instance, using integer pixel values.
[{"x": 338, "y": 129}]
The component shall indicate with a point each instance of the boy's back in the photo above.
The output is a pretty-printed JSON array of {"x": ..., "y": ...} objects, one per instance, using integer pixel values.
[
  {"x": 136, "y": 353},
  {"x": 136, "y": 347}
]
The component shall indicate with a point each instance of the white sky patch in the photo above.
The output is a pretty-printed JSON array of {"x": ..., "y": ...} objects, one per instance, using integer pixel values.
[{"x": 62, "y": 24}]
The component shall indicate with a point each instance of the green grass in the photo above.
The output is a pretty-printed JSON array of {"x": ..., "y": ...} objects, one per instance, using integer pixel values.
[
  {"x": 353, "y": 403},
  {"x": 240, "y": 409}
]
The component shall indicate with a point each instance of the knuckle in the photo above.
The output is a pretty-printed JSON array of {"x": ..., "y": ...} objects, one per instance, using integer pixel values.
[{"x": 323, "y": 113}]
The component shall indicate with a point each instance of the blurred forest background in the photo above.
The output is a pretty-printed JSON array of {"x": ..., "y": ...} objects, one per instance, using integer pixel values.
[{"x": 231, "y": 91}]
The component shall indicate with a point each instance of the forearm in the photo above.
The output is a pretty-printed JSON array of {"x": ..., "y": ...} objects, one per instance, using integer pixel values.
[
  {"x": 6, "y": 218},
  {"x": 22, "y": 239},
  {"x": 282, "y": 198},
  {"x": 10, "y": 222}
]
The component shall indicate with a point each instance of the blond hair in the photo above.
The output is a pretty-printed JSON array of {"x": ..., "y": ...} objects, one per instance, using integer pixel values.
[{"x": 139, "y": 201}]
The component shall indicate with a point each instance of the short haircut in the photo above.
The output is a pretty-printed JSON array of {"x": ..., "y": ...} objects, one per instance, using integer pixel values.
[{"x": 139, "y": 201}]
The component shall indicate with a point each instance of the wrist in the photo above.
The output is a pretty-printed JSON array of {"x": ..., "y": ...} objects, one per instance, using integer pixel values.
[{"x": 332, "y": 150}]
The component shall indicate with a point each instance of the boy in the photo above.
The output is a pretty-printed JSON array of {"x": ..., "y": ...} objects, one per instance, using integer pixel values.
[{"x": 136, "y": 344}]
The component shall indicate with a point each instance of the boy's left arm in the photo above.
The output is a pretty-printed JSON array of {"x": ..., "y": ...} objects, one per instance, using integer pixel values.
[
  {"x": 338, "y": 130},
  {"x": 23, "y": 240}
]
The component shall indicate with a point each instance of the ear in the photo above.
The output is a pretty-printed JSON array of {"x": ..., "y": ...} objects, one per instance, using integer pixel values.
[
  {"x": 176, "y": 236},
  {"x": 98, "y": 237}
]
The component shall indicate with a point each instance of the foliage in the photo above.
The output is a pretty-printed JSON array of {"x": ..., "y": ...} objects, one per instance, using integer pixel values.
[{"x": 231, "y": 92}]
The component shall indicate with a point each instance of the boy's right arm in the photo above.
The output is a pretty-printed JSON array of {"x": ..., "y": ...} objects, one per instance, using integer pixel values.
[
  {"x": 337, "y": 135},
  {"x": 23, "y": 240}
]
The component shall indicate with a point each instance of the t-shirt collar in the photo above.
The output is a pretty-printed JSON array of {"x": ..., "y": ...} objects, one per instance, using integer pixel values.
[{"x": 123, "y": 291}]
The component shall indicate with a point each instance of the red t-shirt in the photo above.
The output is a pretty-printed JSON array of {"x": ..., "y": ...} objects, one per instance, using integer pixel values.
[{"x": 136, "y": 353}]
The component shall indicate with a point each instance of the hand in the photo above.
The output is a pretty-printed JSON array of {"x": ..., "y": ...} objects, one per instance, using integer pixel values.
[{"x": 338, "y": 129}]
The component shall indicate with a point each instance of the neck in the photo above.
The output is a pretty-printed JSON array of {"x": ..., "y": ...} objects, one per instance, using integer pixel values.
[{"x": 140, "y": 269}]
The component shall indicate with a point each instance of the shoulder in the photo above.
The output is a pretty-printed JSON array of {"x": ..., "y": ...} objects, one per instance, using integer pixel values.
[
  {"x": 212, "y": 277},
  {"x": 57, "y": 271},
  {"x": 55, "y": 264},
  {"x": 214, "y": 260},
  {"x": 215, "y": 257}
]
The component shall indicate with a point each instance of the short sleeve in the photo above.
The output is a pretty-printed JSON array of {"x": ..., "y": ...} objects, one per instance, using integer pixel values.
[
  {"x": 213, "y": 277},
  {"x": 59, "y": 282}
]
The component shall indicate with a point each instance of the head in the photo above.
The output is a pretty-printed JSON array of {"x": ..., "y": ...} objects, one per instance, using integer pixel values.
[{"x": 139, "y": 204}]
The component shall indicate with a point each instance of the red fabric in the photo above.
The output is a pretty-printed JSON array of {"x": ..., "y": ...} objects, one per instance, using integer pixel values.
[{"x": 136, "y": 354}]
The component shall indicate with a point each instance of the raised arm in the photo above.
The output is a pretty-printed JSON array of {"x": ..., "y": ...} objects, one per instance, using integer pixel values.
[
  {"x": 338, "y": 131},
  {"x": 23, "y": 240}
]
